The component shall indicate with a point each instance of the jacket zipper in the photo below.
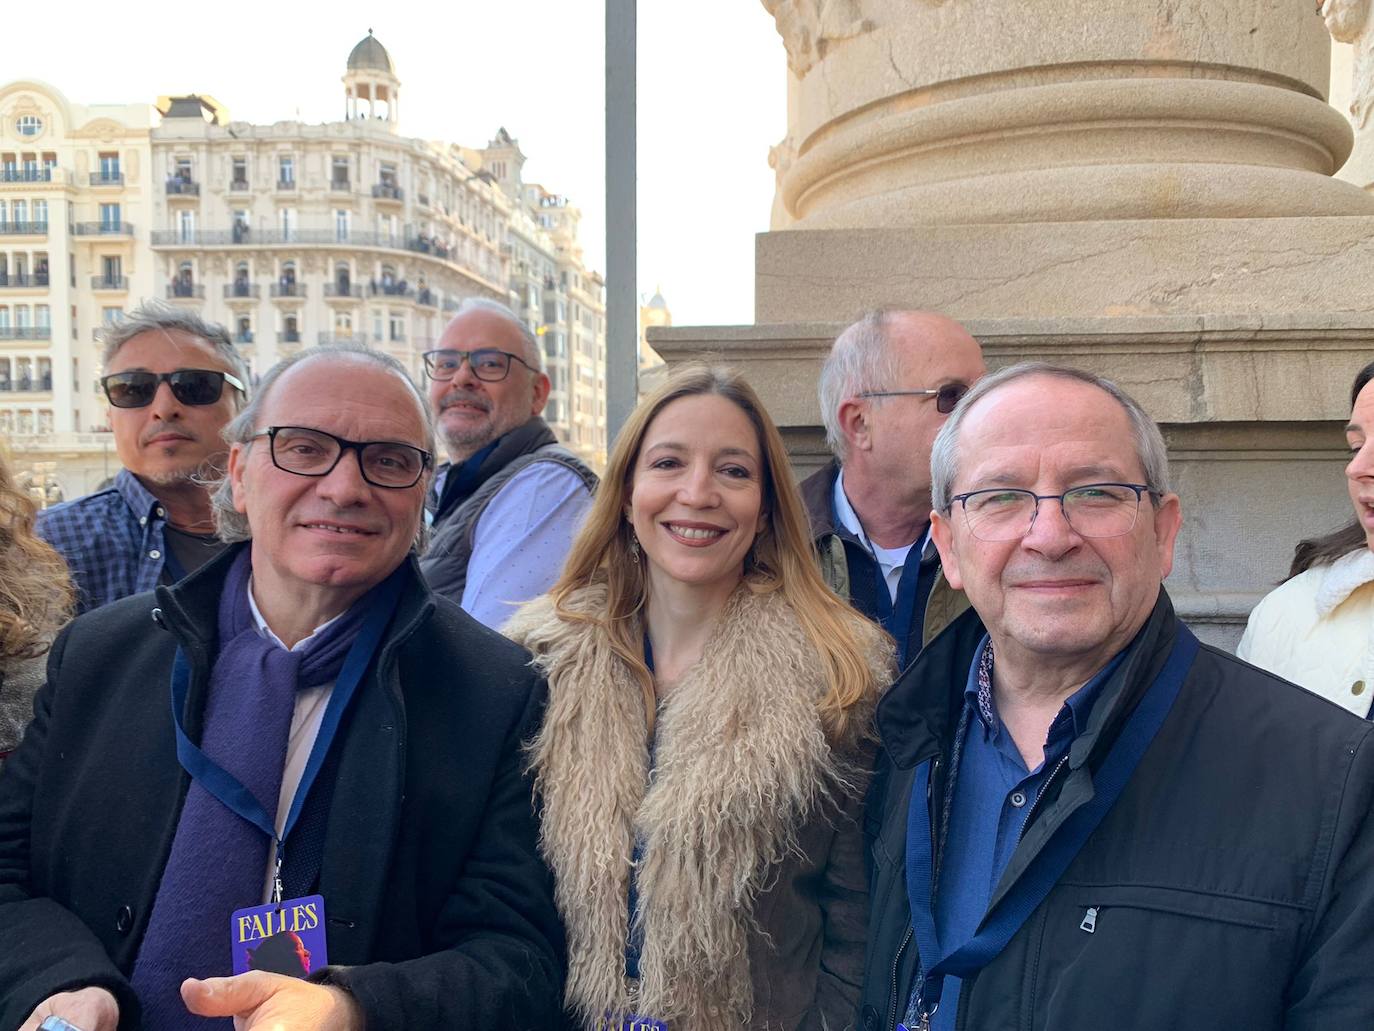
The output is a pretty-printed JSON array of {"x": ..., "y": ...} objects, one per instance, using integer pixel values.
[
  {"x": 893, "y": 1000},
  {"x": 1039, "y": 795}
]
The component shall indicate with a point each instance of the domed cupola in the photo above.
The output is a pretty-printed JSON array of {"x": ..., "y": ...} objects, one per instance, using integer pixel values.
[{"x": 371, "y": 88}]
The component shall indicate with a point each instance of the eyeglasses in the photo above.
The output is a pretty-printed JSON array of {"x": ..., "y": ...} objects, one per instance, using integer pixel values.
[
  {"x": 307, "y": 452},
  {"x": 487, "y": 364},
  {"x": 946, "y": 397},
  {"x": 1093, "y": 510},
  {"x": 189, "y": 386}
]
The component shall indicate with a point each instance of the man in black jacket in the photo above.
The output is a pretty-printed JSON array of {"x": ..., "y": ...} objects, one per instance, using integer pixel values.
[
  {"x": 887, "y": 386},
  {"x": 334, "y": 730},
  {"x": 1082, "y": 819}
]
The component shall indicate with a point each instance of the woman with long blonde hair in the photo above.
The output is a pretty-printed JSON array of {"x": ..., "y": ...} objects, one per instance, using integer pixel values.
[
  {"x": 701, "y": 764},
  {"x": 35, "y": 600}
]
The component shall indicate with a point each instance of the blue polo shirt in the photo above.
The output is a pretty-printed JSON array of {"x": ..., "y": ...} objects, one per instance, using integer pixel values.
[{"x": 994, "y": 792}]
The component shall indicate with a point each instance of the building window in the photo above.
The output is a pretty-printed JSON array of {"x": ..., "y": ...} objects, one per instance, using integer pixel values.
[
  {"x": 338, "y": 177},
  {"x": 286, "y": 170},
  {"x": 341, "y": 223},
  {"x": 288, "y": 224},
  {"x": 239, "y": 179},
  {"x": 186, "y": 226},
  {"x": 109, "y": 167},
  {"x": 28, "y": 125},
  {"x": 397, "y": 326},
  {"x": 109, "y": 218},
  {"x": 40, "y": 213}
]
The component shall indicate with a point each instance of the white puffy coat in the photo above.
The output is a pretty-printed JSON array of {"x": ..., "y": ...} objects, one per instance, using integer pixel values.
[{"x": 1317, "y": 630}]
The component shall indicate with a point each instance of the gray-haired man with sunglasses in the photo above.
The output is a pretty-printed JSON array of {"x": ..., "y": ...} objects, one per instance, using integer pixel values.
[
  {"x": 886, "y": 388},
  {"x": 173, "y": 381},
  {"x": 507, "y": 504}
]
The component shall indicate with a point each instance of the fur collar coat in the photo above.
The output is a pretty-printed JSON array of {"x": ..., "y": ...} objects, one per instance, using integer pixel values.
[{"x": 748, "y": 808}]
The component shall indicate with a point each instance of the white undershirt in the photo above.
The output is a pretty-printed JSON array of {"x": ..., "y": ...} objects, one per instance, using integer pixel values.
[
  {"x": 890, "y": 560},
  {"x": 305, "y": 727}
]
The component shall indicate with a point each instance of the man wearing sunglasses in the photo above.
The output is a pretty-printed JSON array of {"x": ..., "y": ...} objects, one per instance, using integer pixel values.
[
  {"x": 507, "y": 504},
  {"x": 302, "y": 731},
  {"x": 887, "y": 386},
  {"x": 173, "y": 381}
]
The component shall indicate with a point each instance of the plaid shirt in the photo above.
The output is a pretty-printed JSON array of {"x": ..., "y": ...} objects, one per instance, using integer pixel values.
[{"x": 112, "y": 541}]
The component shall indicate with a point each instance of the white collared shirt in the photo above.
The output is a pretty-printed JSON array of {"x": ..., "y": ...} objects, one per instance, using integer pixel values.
[
  {"x": 890, "y": 560},
  {"x": 305, "y": 727}
]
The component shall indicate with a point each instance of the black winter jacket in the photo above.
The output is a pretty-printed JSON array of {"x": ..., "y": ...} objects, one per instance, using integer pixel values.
[
  {"x": 439, "y": 910},
  {"x": 1233, "y": 881}
]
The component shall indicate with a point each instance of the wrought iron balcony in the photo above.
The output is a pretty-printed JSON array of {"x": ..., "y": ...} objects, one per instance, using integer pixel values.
[
  {"x": 339, "y": 186},
  {"x": 243, "y": 338},
  {"x": 388, "y": 191},
  {"x": 25, "y": 332},
  {"x": 109, "y": 283},
  {"x": 23, "y": 280},
  {"x": 427, "y": 297},
  {"x": 242, "y": 291},
  {"x": 354, "y": 339},
  {"x": 285, "y": 290},
  {"x": 186, "y": 291},
  {"x": 289, "y": 336},
  {"x": 102, "y": 229},
  {"x": 23, "y": 228},
  {"x": 286, "y": 184},
  {"x": 391, "y": 290},
  {"x": 343, "y": 291},
  {"x": 182, "y": 188},
  {"x": 107, "y": 178},
  {"x": 238, "y": 185},
  {"x": 11, "y": 174}
]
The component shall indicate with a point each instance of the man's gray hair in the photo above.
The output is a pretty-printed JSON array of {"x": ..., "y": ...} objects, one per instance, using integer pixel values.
[
  {"x": 944, "y": 455},
  {"x": 159, "y": 316},
  {"x": 859, "y": 360},
  {"x": 232, "y": 525},
  {"x": 534, "y": 354}
]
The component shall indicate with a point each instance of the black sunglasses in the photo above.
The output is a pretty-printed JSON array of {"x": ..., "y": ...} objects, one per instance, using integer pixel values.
[
  {"x": 189, "y": 386},
  {"x": 946, "y": 397}
]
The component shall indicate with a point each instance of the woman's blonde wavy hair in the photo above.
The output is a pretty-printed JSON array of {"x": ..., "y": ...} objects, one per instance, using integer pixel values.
[
  {"x": 35, "y": 590},
  {"x": 783, "y": 557}
]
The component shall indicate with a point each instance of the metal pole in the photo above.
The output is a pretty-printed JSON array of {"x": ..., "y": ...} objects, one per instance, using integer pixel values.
[{"x": 622, "y": 306}]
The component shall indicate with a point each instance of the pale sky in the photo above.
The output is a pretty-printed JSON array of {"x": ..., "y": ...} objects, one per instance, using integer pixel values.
[{"x": 711, "y": 100}]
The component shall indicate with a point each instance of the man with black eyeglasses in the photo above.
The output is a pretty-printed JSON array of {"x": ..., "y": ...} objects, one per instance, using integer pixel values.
[
  {"x": 1082, "y": 817},
  {"x": 508, "y": 502},
  {"x": 298, "y": 740},
  {"x": 886, "y": 388},
  {"x": 173, "y": 381}
]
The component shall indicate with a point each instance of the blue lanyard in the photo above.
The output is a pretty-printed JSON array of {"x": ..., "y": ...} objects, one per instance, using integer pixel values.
[
  {"x": 230, "y": 791},
  {"x": 896, "y": 617},
  {"x": 1047, "y": 867}
]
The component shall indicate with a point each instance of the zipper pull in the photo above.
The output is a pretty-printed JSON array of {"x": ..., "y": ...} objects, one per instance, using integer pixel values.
[{"x": 1089, "y": 923}]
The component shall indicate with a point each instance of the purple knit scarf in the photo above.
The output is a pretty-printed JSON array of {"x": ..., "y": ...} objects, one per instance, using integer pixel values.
[{"x": 218, "y": 861}]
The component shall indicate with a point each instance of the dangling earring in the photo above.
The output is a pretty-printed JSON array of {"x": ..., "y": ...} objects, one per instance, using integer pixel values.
[{"x": 634, "y": 545}]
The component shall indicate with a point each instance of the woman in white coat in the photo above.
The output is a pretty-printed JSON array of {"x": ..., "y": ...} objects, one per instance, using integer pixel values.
[{"x": 1317, "y": 628}]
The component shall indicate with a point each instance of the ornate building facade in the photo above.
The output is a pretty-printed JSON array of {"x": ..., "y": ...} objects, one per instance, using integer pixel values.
[{"x": 289, "y": 234}]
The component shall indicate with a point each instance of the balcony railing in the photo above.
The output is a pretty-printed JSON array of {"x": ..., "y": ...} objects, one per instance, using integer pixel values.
[
  {"x": 23, "y": 280},
  {"x": 107, "y": 178},
  {"x": 23, "y": 228},
  {"x": 238, "y": 185},
  {"x": 390, "y": 290},
  {"x": 355, "y": 339},
  {"x": 25, "y": 332},
  {"x": 339, "y": 186},
  {"x": 427, "y": 297},
  {"x": 243, "y": 338},
  {"x": 388, "y": 191},
  {"x": 343, "y": 290},
  {"x": 28, "y": 384},
  {"x": 242, "y": 291},
  {"x": 102, "y": 229},
  {"x": 289, "y": 336},
  {"x": 286, "y": 184},
  {"x": 186, "y": 291},
  {"x": 182, "y": 188},
  {"x": 11, "y": 174},
  {"x": 280, "y": 290},
  {"x": 250, "y": 237},
  {"x": 109, "y": 283}
]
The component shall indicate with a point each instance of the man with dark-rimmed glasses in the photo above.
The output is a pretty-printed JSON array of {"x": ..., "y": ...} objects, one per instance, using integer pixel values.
[
  {"x": 506, "y": 505},
  {"x": 886, "y": 388},
  {"x": 1083, "y": 818},
  {"x": 300, "y": 737},
  {"x": 172, "y": 381}
]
